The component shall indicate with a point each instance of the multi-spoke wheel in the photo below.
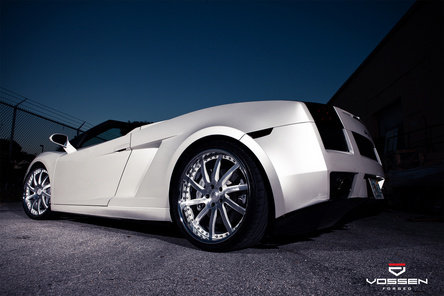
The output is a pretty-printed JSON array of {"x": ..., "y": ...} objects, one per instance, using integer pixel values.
[
  {"x": 219, "y": 198},
  {"x": 37, "y": 194}
]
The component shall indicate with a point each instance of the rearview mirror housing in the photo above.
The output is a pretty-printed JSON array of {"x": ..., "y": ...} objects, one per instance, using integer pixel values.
[{"x": 62, "y": 140}]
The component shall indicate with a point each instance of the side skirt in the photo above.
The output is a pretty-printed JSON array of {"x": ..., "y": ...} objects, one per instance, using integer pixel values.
[{"x": 136, "y": 213}]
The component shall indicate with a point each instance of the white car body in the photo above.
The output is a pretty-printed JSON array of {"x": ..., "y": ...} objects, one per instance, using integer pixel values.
[{"x": 129, "y": 177}]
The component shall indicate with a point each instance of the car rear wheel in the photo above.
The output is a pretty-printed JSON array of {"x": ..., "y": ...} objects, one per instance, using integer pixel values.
[
  {"x": 219, "y": 199},
  {"x": 37, "y": 194}
]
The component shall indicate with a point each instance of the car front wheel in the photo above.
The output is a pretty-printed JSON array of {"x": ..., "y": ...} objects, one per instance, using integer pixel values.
[{"x": 37, "y": 194}]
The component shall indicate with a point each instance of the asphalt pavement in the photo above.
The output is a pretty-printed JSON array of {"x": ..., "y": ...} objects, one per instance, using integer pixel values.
[{"x": 79, "y": 255}]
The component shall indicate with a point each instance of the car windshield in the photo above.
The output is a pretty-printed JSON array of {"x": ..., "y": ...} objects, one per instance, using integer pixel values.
[{"x": 104, "y": 132}]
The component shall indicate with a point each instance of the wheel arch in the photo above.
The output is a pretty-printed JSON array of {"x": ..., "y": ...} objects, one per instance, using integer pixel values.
[
  {"x": 252, "y": 147},
  {"x": 46, "y": 160},
  {"x": 35, "y": 165}
]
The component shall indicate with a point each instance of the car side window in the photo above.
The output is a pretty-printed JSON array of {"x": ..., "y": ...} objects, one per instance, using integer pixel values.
[{"x": 107, "y": 135}]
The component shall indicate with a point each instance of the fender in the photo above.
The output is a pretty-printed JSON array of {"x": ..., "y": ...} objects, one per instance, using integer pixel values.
[
  {"x": 49, "y": 160},
  {"x": 246, "y": 140}
]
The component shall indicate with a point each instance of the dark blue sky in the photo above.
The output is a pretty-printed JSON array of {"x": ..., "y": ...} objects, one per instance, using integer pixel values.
[{"x": 139, "y": 60}]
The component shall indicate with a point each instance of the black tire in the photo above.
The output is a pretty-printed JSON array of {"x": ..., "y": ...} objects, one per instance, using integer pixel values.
[
  {"x": 249, "y": 201},
  {"x": 37, "y": 194}
]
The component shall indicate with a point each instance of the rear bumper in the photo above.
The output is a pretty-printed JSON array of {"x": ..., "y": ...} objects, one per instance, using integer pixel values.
[
  {"x": 304, "y": 168},
  {"x": 324, "y": 215}
]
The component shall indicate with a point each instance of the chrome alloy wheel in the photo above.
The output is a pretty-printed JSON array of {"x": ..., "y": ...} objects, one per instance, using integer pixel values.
[
  {"x": 37, "y": 192},
  {"x": 213, "y": 196}
]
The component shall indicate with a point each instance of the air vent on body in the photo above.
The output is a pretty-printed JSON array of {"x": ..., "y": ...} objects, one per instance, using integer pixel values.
[{"x": 365, "y": 146}]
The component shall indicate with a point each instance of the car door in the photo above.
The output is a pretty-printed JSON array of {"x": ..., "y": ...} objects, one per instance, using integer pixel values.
[{"x": 91, "y": 175}]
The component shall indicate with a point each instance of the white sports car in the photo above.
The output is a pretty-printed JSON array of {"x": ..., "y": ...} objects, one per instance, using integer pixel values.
[{"x": 223, "y": 174}]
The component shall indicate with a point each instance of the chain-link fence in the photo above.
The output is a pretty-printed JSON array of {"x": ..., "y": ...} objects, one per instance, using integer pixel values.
[{"x": 23, "y": 135}]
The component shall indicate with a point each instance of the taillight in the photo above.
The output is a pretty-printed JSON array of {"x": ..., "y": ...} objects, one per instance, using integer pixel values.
[{"x": 329, "y": 126}]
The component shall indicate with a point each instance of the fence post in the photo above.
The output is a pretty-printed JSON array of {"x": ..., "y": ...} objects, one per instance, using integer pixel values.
[
  {"x": 11, "y": 138},
  {"x": 78, "y": 129}
]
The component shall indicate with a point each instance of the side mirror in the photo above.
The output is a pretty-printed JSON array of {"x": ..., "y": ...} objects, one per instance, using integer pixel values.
[{"x": 62, "y": 140}]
